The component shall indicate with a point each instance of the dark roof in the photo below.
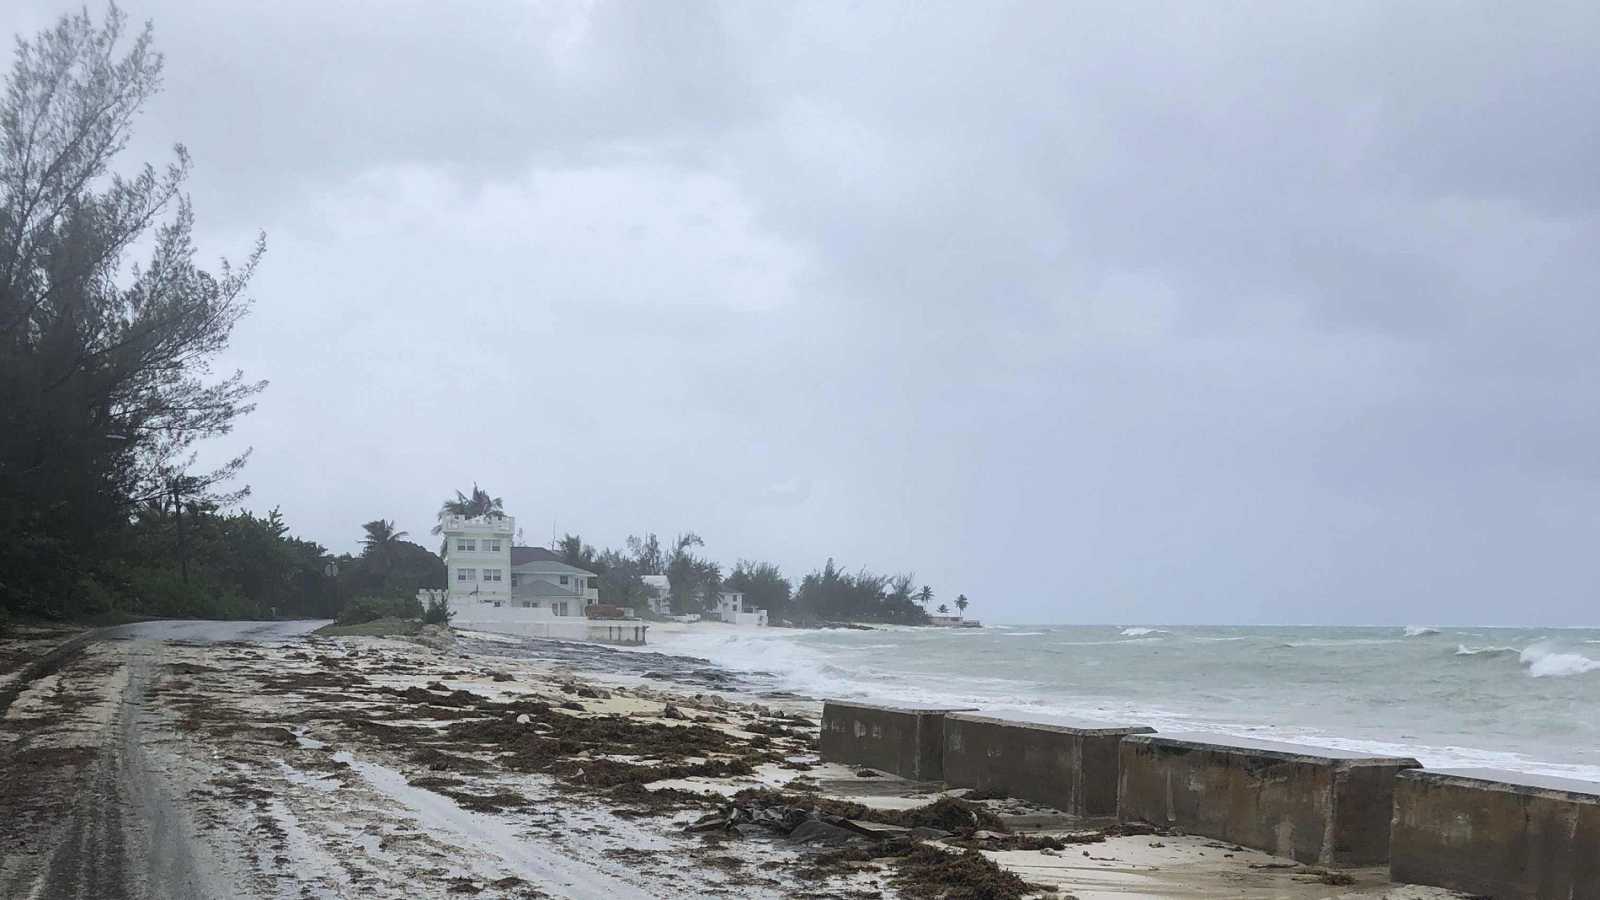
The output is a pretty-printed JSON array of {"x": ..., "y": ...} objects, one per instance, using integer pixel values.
[
  {"x": 521, "y": 555},
  {"x": 544, "y": 561}
]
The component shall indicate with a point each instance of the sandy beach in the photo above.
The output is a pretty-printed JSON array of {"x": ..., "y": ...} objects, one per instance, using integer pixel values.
[{"x": 334, "y": 767}]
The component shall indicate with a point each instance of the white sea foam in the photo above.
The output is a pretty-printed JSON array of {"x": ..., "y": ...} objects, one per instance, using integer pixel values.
[
  {"x": 1545, "y": 660},
  {"x": 909, "y": 666},
  {"x": 1020, "y": 633},
  {"x": 1464, "y": 650},
  {"x": 1121, "y": 643},
  {"x": 1420, "y": 631}
]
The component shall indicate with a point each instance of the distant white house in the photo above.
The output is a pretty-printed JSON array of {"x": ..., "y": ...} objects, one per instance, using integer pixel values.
[
  {"x": 730, "y": 605},
  {"x": 658, "y": 594},
  {"x": 483, "y": 567},
  {"x": 494, "y": 586},
  {"x": 731, "y": 608}
]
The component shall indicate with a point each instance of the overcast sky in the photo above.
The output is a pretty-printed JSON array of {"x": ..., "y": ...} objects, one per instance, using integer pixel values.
[{"x": 1180, "y": 312}]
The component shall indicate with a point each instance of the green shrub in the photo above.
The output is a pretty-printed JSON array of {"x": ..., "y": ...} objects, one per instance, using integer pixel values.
[
  {"x": 159, "y": 591},
  {"x": 371, "y": 609},
  {"x": 94, "y": 596},
  {"x": 438, "y": 611}
]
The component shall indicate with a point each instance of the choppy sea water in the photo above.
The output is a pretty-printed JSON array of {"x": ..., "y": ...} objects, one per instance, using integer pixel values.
[{"x": 1522, "y": 699}]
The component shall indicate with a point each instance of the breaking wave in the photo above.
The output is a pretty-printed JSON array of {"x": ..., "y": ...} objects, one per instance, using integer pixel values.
[
  {"x": 1141, "y": 632},
  {"x": 1420, "y": 631},
  {"x": 1464, "y": 650},
  {"x": 1020, "y": 633},
  {"x": 1545, "y": 660}
]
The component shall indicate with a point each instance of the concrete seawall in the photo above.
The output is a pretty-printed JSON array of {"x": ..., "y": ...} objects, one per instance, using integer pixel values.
[
  {"x": 1068, "y": 765},
  {"x": 1506, "y": 835},
  {"x": 1311, "y": 804},
  {"x": 905, "y": 740}
]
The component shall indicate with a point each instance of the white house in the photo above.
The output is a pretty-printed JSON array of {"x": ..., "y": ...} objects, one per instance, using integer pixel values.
[
  {"x": 494, "y": 586},
  {"x": 731, "y": 608},
  {"x": 483, "y": 567},
  {"x": 658, "y": 594},
  {"x": 539, "y": 578}
]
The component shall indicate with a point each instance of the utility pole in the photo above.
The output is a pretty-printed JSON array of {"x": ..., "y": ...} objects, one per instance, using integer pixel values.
[{"x": 177, "y": 511}]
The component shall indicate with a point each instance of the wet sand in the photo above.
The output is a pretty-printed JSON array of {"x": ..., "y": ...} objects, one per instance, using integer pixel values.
[{"x": 326, "y": 767}]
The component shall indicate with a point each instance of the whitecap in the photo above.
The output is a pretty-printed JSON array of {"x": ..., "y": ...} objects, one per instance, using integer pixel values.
[
  {"x": 1141, "y": 632},
  {"x": 1420, "y": 631},
  {"x": 1146, "y": 640},
  {"x": 1020, "y": 633},
  {"x": 1464, "y": 650},
  {"x": 1545, "y": 660}
]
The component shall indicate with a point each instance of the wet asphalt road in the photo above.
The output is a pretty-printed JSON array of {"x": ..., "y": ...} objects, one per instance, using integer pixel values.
[{"x": 128, "y": 835}]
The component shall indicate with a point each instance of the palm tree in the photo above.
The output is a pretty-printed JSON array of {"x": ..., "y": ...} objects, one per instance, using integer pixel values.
[
  {"x": 961, "y": 603},
  {"x": 479, "y": 503},
  {"x": 943, "y": 609},
  {"x": 380, "y": 541},
  {"x": 925, "y": 595}
]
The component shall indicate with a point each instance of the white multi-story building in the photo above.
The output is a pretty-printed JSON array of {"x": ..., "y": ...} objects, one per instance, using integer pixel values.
[
  {"x": 482, "y": 567},
  {"x": 530, "y": 591},
  {"x": 731, "y": 609},
  {"x": 477, "y": 558}
]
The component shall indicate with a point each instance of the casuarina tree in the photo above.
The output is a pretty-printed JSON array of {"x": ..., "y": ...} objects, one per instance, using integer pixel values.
[{"x": 105, "y": 380}]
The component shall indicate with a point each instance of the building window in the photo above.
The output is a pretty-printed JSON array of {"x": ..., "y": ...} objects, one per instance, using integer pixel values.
[
  {"x": 466, "y": 544},
  {"x": 491, "y": 546},
  {"x": 563, "y": 579},
  {"x": 515, "y": 579},
  {"x": 491, "y": 574},
  {"x": 466, "y": 574}
]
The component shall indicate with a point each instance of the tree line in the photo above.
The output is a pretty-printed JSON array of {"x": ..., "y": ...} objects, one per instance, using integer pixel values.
[
  {"x": 106, "y": 385},
  {"x": 828, "y": 594},
  {"x": 105, "y": 363}
]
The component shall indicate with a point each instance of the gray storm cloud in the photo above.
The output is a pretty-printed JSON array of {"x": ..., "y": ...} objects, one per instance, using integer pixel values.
[{"x": 1133, "y": 312}]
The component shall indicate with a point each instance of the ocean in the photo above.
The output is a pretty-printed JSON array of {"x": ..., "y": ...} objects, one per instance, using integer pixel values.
[{"x": 1526, "y": 699}]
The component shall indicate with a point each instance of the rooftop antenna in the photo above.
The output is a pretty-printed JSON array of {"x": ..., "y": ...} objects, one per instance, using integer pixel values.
[{"x": 552, "y": 534}]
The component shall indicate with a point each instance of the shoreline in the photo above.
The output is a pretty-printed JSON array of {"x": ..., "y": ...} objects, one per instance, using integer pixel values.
[
  {"x": 330, "y": 766},
  {"x": 1449, "y": 735}
]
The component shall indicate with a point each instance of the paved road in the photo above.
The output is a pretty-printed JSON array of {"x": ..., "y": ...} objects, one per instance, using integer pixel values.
[
  {"x": 212, "y": 632},
  {"x": 127, "y": 835}
]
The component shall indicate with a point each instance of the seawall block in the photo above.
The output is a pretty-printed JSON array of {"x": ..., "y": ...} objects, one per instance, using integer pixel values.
[
  {"x": 1311, "y": 804},
  {"x": 905, "y": 740},
  {"x": 1069, "y": 765},
  {"x": 1506, "y": 835}
]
